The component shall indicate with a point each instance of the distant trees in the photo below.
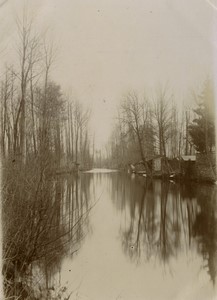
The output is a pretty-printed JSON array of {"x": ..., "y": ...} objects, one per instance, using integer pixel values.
[
  {"x": 134, "y": 114},
  {"x": 78, "y": 143},
  {"x": 202, "y": 129},
  {"x": 133, "y": 135},
  {"x": 158, "y": 125}
]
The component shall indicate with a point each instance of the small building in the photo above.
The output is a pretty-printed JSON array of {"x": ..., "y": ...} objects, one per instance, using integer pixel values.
[
  {"x": 188, "y": 166},
  {"x": 188, "y": 158},
  {"x": 159, "y": 166}
]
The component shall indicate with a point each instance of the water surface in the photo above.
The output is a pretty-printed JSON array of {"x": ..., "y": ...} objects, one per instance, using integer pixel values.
[{"x": 143, "y": 240}]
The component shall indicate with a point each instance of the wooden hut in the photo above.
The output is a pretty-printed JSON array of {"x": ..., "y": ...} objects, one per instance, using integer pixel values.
[
  {"x": 160, "y": 166},
  {"x": 188, "y": 166}
]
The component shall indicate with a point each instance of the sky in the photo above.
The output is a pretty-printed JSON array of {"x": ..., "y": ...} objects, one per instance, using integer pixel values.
[{"x": 107, "y": 47}]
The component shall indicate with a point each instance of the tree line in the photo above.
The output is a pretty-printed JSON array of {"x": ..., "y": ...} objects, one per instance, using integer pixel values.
[
  {"x": 157, "y": 125},
  {"x": 37, "y": 120},
  {"x": 42, "y": 132}
]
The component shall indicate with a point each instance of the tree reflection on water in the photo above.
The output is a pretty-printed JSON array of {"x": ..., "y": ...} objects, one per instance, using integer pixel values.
[
  {"x": 73, "y": 206},
  {"x": 162, "y": 219}
]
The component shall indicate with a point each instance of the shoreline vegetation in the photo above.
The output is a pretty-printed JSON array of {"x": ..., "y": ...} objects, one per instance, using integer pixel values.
[
  {"x": 43, "y": 133},
  {"x": 48, "y": 222},
  {"x": 198, "y": 168},
  {"x": 154, "y": 136}
]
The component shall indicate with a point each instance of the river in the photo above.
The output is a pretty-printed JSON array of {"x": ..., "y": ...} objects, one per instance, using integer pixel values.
[{"x": 141, "y": 239}]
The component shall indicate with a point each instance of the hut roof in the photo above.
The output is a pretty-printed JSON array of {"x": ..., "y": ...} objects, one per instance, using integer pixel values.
[{"x": 189, "y": 157}]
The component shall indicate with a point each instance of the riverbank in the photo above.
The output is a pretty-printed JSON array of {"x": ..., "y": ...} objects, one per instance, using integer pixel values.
[
  {"x": 42, "y": 221},
  {"x": 199, "y": 168}
]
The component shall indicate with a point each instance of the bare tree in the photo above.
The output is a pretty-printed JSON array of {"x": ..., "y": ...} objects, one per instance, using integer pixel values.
[
  {"x": 5, "y": 128},
  {"x": 162, "y": 115},
  {"x": 135, "y": 114},
  {"x": 81, "y": 117},
  {"x": 28, "y": 56}
]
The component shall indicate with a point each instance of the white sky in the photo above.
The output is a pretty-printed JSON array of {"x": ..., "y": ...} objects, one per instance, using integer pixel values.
[{"x": 106, "y": 47}]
